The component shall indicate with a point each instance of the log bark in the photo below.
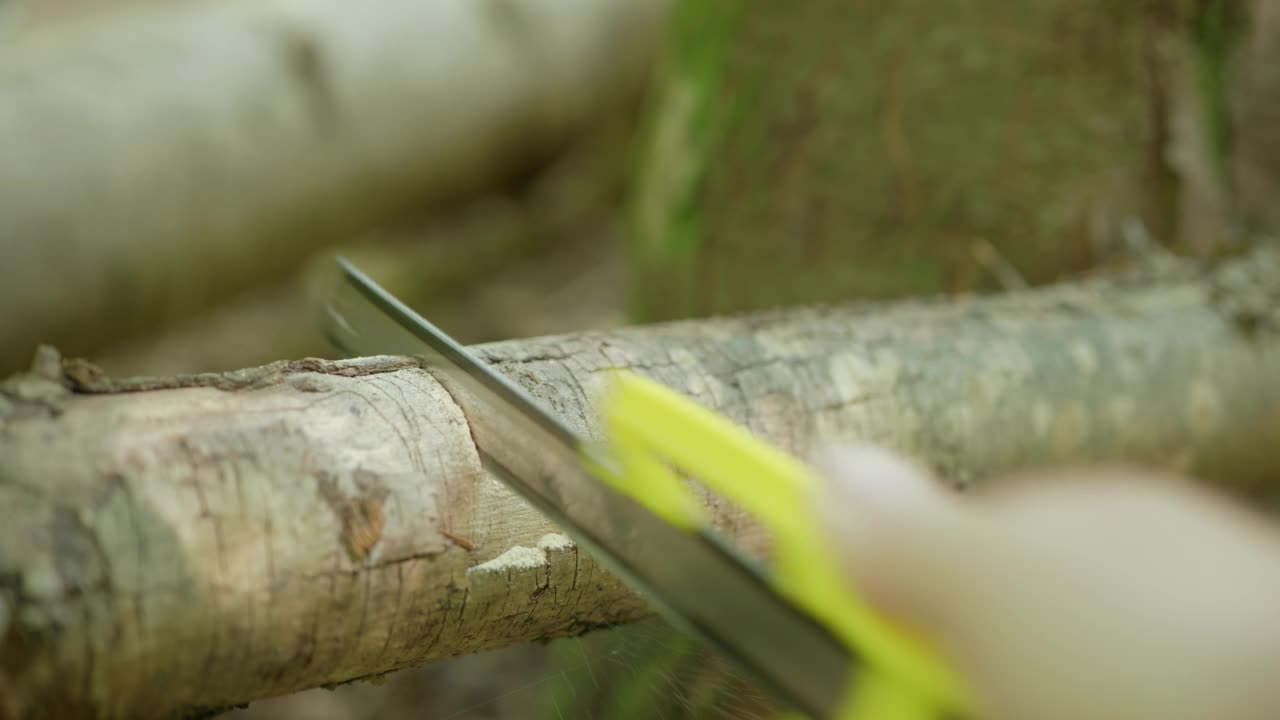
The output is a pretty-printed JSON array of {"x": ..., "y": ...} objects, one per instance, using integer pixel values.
[
  {"x": 171, "y": 544},
  {"x": 156, "y": 162}
]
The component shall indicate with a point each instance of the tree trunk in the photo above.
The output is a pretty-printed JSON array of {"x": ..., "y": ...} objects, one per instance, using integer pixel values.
[
  {"x": 156, "y": 163},
  {"x": 1254, "y": 103},
  {"x": 815, "y": 150},
  {"x": 194, "y": 542}
]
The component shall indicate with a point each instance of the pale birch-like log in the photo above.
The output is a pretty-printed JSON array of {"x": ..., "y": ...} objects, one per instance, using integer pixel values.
[
  {"x": 195, "y": 542},
  {"x": 155, "y": 162}
]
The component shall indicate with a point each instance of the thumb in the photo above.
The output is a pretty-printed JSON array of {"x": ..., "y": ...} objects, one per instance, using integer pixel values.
[{"x": 898, "y": 532}]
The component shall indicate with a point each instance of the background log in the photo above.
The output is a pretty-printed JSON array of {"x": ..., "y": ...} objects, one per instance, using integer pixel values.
[
  {"x": 539, "y": 258},
  {"x": 156, "y": 162}
]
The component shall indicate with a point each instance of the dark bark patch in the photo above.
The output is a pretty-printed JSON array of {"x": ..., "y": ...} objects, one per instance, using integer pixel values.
[{"x": 361, "y": 515}]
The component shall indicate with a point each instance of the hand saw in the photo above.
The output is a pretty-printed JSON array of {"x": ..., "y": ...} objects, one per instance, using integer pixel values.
[{"x": 793, "y": 626}]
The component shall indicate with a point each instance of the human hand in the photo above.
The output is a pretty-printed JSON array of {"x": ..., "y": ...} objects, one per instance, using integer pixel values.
[{"x": 1101, "y": 594}]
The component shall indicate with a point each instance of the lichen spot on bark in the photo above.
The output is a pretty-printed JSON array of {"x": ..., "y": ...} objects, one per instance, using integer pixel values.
[
  {"x": 1204, "y": 408},
  {"x": 1070, "y": 428},
  {"x": 853, "y": 378},
  {"x": 516, "y": 558},
  {"x": 555, "y": 541},
  {"x": 1123, "y": 413},
  {"x": 521, "y": 557},
  {"x": 1085, "y": 357},
  {"x": 1041, "y": 418}
]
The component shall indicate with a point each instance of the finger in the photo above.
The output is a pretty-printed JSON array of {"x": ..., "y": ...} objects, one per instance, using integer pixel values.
[
  {"x": 886, "y": 517},
  {"x": 1101, "y": 594}
]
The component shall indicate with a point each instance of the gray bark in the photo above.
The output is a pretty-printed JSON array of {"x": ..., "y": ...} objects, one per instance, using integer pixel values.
[
  {"x": 200, "y": 541},
  {"x": 157, "y": 162}
]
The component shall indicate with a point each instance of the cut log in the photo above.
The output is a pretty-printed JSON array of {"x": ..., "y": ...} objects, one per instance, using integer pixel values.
[{"x": 171, "y": 544}]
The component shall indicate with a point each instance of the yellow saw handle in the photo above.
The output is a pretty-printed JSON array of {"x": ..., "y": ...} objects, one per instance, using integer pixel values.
[{"x": 653, "y": 431}]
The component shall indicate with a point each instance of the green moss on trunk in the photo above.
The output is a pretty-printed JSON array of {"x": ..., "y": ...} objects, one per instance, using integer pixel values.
[{"x": 820, "y": 150}]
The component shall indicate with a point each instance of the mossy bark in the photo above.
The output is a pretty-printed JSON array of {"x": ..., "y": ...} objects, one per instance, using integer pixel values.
[{"x": 820, "y": 150}]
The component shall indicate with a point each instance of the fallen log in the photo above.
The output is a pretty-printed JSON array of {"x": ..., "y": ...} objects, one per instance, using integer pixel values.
[{"x": 172, "y": 544}]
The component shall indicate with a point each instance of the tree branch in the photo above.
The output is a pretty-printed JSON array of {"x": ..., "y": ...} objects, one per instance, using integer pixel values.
[
  {"x": 201, "y": 541},
  {"x": 156, "y": 162}
]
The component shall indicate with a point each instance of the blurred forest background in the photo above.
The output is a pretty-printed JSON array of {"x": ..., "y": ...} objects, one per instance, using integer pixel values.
[{"x": 173, "y": 187}]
